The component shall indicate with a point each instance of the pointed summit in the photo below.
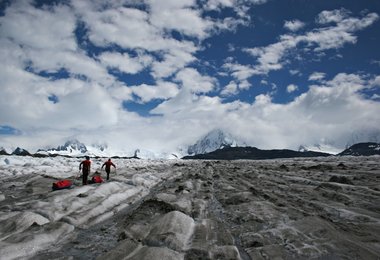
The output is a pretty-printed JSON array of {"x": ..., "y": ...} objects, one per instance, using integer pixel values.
[
  {"x": 73, "y": 146},
  {"x": 20, "y": 151},
  {"x": 214, "y": 140}
]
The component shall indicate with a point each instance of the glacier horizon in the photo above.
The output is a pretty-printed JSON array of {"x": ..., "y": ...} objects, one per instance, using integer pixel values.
[{"x": 213, "y": 140}]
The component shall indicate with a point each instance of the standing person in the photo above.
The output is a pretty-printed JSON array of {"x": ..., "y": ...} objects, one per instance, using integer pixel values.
[
  {"x": 108, "y": 165},
  {"x": 85, "y": 167}
]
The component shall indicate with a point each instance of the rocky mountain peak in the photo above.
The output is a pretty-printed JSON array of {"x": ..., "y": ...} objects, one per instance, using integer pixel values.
[
  {"x": 20, "y": 151},
  {"x": 212, "y": 141},
  {"x": 362, "y": 149},
  {"x": 73, "y": 145}
]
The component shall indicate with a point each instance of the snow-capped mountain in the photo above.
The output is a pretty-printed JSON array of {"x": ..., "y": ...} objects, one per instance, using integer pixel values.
[
  {"x": 338, "y": 144},
  {"x": 371, "y": 136},
  {"x": 3, "y": 151},
  {"x": 20, "y": 151},
  {"x": 76, "y": 148},
  {"x": 214, "y": 140},
  {"x": 362, "y": 149},
  {"x": 322, "y": 148},
  {"x": 71, "y": 148}
]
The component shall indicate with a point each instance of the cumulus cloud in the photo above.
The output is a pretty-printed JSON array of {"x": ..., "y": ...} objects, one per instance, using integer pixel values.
[
  {"x": 376, "y": 82},
  {"x": 239, "y": 71},
  {"x": 124, "y": 62},
  {"x": 330, "y": 111},
  {"x": 163, "y": 90},
  {"x": 291, "y": 88},
  {"x": 317, "y": 76},
  {"x": 334, "y": 16},
  {"x": 39, "y": 29},
  {"x": 240, "y": 6},
  {"x": 193, "y": 81},
  {"x": 294, "y": 25},
  {"x": 230, "y": 89},
  {"x": 171, "y": 63},
  {"x": 71, "y": 51},
  {"x": 186, "y": 20},
  {"x": 273, "y": 56}
]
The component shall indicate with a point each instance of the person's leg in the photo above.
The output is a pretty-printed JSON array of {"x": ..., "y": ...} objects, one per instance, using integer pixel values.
[
  {"x": 108, "y": 175},
  {"x": 85, "y": 176}
]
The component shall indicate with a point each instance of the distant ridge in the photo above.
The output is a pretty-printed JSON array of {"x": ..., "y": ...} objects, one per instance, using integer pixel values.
[
  {"x": 3, "y": 151},
  {"x": 253, "y": 153},
  {"x": 225, "y": 153},
  {"x": 20, "y": 151},
  {"x": 362, "y": 149}
]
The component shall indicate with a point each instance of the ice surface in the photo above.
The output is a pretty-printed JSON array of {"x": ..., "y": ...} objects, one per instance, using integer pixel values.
[
  {"x": 173, "y": 230},
  {"x": 34, "y": 239},
  {"x": 157, "y": 209}
]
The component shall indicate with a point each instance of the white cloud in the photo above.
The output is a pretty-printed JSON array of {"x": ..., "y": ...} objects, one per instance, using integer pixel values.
[
  {"x": 192, "y": 80},
  {"x": 216, "y": 4},
  {"x": 35, "y": 41},
  {"x": 295, "y": 72},
  {"x": 126, "y": 27},
  {"x": 39, "y": 29},
  {"x": 44, "y": 40},
  {"x": 186, "y": 20},
  {"x": 239, "y": 71},
  {"x": 332, "y": 111},
  {"x": 240, "y": 6},
  {"x": 125, "y": 63},
  {"x": 342, "y": 33},
  {"x": 334, "y": 16},
  {"x": 244, "y": 84},
  {"x": 291, "y": 88},
  {"x": 273, "y": 56},
  {"x": 24, "y": 97},
  {"x": 172, "y": 62},
  {"x": 163, "y": 90},
  {"x": 231, "y": 23},
  {"x": 230, "y": 89},
  {"x": 270, "y": 58},
  {"x": 294, "y": 25},
  {"x": 317, "y": 76},
  {"x": 376, "y": 82}
]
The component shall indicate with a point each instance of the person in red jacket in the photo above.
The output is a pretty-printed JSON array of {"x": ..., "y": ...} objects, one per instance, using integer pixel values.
[
  {"x": 108, "y": 165},
  {"x": 85, "y": 166}
]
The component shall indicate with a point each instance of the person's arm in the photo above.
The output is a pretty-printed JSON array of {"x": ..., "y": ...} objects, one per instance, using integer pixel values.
[
  {"x": 103, "y": 165},
  {"x": 114, "y": 165},
  {"x": 80, "y": 166}
]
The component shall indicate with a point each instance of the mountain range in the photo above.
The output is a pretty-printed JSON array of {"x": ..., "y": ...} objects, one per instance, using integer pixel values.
[
  {"x": 364, "y": 149},
  {"x": 215, "y": 144},
  {"x": 253, "y": 153}
]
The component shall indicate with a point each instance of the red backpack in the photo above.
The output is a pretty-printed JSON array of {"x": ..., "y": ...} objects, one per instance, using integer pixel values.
[
  {"x": 97, "y": 179},
  {"x": 64, "y": 184}
]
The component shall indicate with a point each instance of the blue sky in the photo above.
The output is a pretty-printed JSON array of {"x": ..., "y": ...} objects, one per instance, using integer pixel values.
[{"x": 158, "y": 75}]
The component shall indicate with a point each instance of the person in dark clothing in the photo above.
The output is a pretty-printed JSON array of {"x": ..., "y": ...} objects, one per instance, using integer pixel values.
[
  {"x": 85, "y": 166},
  {"x": 108, "y": 165}
]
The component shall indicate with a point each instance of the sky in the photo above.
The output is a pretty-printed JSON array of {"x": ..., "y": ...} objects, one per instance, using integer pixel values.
[{"x": 159, "y": 75}]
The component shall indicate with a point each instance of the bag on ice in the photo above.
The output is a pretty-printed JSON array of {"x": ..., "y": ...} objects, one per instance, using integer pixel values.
[
  {"x": 63, "y": 184},
  {"x": 97, "y": 179}
]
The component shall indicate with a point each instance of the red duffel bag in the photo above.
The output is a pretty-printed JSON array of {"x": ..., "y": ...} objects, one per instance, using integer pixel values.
[
  {"x": 97, "y": 179},
  {"x": 64, "y": 184}
]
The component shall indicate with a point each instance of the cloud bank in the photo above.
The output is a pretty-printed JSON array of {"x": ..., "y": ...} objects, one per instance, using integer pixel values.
[{"x": 68, "y": 69}]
